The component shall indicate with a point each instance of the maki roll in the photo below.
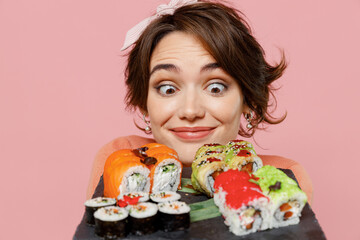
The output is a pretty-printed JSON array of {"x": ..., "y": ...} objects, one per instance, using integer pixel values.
[
  {"x": 94, "y": 204},
  {"x": 126, "y": 177},
  {"x": 174, "y": 216},
  {"x": 241, "y": 202},
  {"x": 287, "y": 199},
  {"x": 132, "y": 198},
  {"x": 241, "y": 155},
  {"x": 143, "y": 218},
  {"x": 166, "y": 196},
  {"x": 110, "y": 222},
  {"x": 139, "y": 196},
  {"x": 204, "y": 172}
]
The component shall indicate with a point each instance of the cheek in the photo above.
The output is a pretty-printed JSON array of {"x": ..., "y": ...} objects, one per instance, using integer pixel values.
[
  {"x": 160, "y": 110},
  {"x": 227, "y": 110}
]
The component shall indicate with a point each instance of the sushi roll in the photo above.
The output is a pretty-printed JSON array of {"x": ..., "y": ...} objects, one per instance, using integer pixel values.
[
  {"x": 126, "y": 177},
  {"x": 132, "y": 198},
  {"x": 241, "y": 155},
  {"x": 213, "y": 149},
  {"x": 165, "y": 196},
  {"x": 111, "y": 222},
  {"x": 143, "y": 218},
  {"x": 165, "y": 174},
  {"x": 204, "y": 172},
  {"x": 152, "y": 167},
  {"x": 139, "y": 196},
  {"x": 94, "y": 204},
  {"x": 287, "y": 199},
  {"x": 174, "y": 216},
  {"x": 155, "y": 148},
  {"x": 241, "y": 202}
]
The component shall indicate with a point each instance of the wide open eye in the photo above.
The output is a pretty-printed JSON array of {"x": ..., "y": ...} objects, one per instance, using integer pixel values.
[
  {"x": 166, "y": 90},
  {"x": 216, "y": 88}
]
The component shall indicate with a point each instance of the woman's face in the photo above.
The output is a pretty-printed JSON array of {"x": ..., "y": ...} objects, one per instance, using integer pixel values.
[{"x": 191, "y": 100}]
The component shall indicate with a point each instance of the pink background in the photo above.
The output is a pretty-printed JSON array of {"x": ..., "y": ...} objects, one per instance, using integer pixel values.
[{"x": 61, "y": 99}]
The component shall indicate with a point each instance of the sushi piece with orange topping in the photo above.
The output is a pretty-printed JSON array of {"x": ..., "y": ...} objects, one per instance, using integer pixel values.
[{"x": 152, "y": 167}]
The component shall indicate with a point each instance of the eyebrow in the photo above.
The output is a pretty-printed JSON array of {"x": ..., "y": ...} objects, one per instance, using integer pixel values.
[
  {"x": 168, "y": 67},
  {"x": 210, "y": 67},
  {"x": 173, "y": 68}
]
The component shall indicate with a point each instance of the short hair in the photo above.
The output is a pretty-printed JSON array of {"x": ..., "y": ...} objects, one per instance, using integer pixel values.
[{"x": 227, "y": 37}]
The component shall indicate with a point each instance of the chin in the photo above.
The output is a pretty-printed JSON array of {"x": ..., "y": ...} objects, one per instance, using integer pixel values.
[{"x": 186, "y": 156}]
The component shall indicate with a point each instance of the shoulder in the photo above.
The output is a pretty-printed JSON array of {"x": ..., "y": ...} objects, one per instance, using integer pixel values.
[
  {"x": 299, "y": 171},
  {"x": 125, "y": 142},
  {"x": 278, "y": 161}
]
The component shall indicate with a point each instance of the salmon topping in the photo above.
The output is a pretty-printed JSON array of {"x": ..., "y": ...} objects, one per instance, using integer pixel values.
[
  {"x": 216, "y": 173},
  {"x": 288, "y": 215},
  {"x": 285, "y": 207},
  {"x": 247, "y": 167}
]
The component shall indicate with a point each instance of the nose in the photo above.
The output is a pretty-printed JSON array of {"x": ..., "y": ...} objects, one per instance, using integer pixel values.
[{"x": 191, "y": 107}]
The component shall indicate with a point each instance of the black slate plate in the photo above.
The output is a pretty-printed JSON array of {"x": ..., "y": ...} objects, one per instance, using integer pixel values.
[{"x": 214, "y": 228}]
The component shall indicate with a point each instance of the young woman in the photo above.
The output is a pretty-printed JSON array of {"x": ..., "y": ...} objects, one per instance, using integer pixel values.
[{"x": 197, "y": 74}]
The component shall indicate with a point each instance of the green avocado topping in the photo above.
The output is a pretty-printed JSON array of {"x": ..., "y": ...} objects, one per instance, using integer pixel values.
[{"x": 276, "y": 184}]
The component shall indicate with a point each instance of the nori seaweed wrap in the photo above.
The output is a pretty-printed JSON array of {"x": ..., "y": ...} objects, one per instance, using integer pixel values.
[
  {"x": 94, "y": 204},
  {"x": 143, "y": 218},
  {"x": 174, "y": 216},
  {"x": 111, "y": 222}
]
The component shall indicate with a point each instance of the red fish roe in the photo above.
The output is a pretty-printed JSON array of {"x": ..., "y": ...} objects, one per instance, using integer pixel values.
[{"x": 238, "y": 187}]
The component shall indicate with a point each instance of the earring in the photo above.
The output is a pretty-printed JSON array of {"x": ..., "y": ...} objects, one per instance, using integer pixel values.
[
  {"x": 147, "y": 128},
  {"x": 249, "y": 117}
]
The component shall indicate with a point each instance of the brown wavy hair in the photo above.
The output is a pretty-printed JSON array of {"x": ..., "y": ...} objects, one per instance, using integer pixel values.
[{"x": 228, "y": 38}]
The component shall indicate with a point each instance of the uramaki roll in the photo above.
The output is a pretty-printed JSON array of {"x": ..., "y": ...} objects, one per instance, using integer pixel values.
[
  {"x": 163, "y": 162},
  {"x": 116, "y": 158},
  {"x": 287, "y": 199},
  {"x": 241, "y": 155},
  {"x": 122, "y": 154},
  {"x": 204, "y": 172},
  {"x": 241, "y": 202},
  {"x": 159, "y": 148},
  {"x": 127, "y": 177},
  {"x": 213, "y": 149},
  {"x": 165, "y": 174}
]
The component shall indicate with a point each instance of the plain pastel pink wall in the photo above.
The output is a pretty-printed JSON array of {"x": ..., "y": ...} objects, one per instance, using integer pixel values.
[{"x": 62, "y": 90}]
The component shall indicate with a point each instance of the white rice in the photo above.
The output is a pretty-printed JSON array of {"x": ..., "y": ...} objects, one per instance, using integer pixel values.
[
  {"x": 143, "y": 210},
  {"x": 129, "y": 183},
  {"x": 144, "y": 196},
  {"x": 237, "y": 220},
  {"x": 175, "y": 207},
  {"x": 165, "y": 196},
  {"x": 111, "y": 214},
  {"x": 166, "y": 181},
  {"x": 100, "y": 202},
  {"x": 277, "y": 215}
]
